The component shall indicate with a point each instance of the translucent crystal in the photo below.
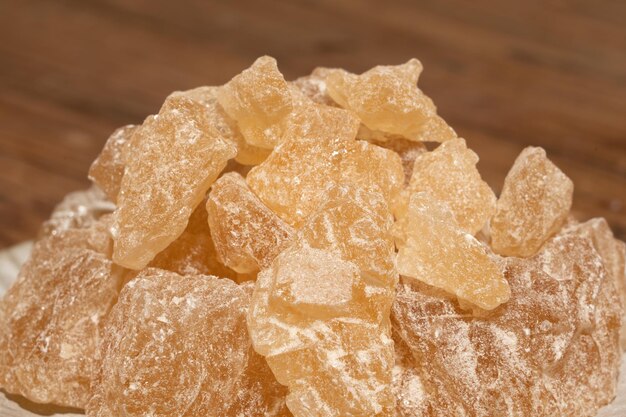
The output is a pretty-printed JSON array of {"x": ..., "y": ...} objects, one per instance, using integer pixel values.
[
  {"x": 51, "y": 318},
  {"x": 247, "y": 154},
  {"x": 552, "y": 349},
  {"x": 533, "y": 205},
  {"x": 449, "y": 174},
  {"x": 259, "y": 99},
  {"x": 408, "y": 151},
  {"x": 108, "y": 168},
  {"x": 178, "y": 344},
  {"x": 435, "y": 250},
  {"x": 319, "y": 314},
  {"x": 175, "y": 157},
  {"x": 314, "y": 86},
  {"x": 355, "y": 224},
  {"x": 247, "y": 234},
  {"x": 318, "y": 152},
  {"x": 613, "y": 254},
  {"x": 79, "y": 209},
  {"x": 388, "y": 102},
  {"x": 193, "y": 252}
]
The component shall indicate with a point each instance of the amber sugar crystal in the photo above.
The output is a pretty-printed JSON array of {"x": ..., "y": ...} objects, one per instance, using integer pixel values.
[
  {"x": 193, "y": 252},
  {"x": 323, "y": 247},
  {"x": 389, "y": 103},
  {"x": 51, "y": 318},
  {"x": 175, "y": 158},
  {"x": 259, "y": 99},
  {"x": 449, "y": 175},
  {"x": 434, "y": 249},
  {"x": 247, "y": 154},
  {"x": 551, "y": 350},
  {"x": 108, "y": 168},
  {"x": 247, "y": 234},
  {"x": 178, "y": 345},
  {"x": 319, "y": 314},
  {"x": 534, "y": 204},
  {"x": 319, "y": 151}
]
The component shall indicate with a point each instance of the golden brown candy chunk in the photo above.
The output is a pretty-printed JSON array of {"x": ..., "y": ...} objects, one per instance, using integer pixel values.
[
  {"x": 175, "y": 157},
  {"x": 259, "y": 99},
  {"x": 613, "y": 254},
  {"x": 408, "y": 151},
  {"x": 533, "y": 205},
  {"x": 177, "y": 345},
  {"x": 434, "y": 250},
  {"x": 388, "y": 102},
  {"x": 449, "y": 174},
  {"x": 247, "y": 154},
  {"x": 193, "y": 252},
  {"x": 79, "y": 209},
  {"x": 289, "y": 180},
  {"x": 51, "y": 318},
  {"x": 552, "y": 350},
  {"x": 247, "y": 234},
  {"x": 355, "y": 224},
  {"x": 319, "y": 152},
  {"x": 313, "y": 86},
  {"x": 320, "y": 313},
  {"x": 108, "y": 168}
]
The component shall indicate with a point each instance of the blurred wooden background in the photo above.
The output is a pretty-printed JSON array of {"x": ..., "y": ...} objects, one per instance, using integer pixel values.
[{"x": 505, "y": 74}]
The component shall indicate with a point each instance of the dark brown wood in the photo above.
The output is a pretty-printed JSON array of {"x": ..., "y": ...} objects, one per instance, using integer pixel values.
[{"x": 505, "y": 74}]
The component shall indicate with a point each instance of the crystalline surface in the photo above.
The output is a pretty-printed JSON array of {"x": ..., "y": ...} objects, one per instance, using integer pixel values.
[
  {"x": 408, "y": 151},
  {"x": 175, "y": 157},
  {"x": 318, "y": 152},
  {"x": 193, "y": 253},
  {"x": 319, "y": 314},
  {"x": 52, "y": 317},
  {"x": 247, "y": 154},
  {"x": 314, "y": 86},
  {"x": 613, "y": 254},
  {"x": 434, "y": 250},
  {"x": 534, "y": 204},
  {"x": 177, "y": 345},
  {"x": 259, "y": 99},
  {"x": 247, "y": 234},
  {"x": 553, "y": 349},
  {"x": 388, "y": 102},
  {"x": 449, "y": 174},
  {"x": 289, "y": 180},
  {"x": 79, "y": 209},
  {"x": 108, "y": 168}
]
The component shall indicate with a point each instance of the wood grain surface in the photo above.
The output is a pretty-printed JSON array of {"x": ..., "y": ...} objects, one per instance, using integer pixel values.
[{"x": 505, "y": 74}]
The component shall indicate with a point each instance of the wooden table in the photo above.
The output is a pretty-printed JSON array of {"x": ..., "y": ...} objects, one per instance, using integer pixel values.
[{"x": 505, "y": 74}]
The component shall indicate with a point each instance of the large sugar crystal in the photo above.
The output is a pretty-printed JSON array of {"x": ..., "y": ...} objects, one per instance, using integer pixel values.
[
  {"x": 78, "y": 210},
  {"x": 534, "y": 203},
  {"x": 314, "y": 86},
  {"x": 389, "y": 103},
  {"x": 178, "y": 345},
  {"x": 435, "y": 250},
  {"x": 319, "y": 151},
  {"x": 449, "y": 174},
  {"x": 613, "y": 254},
  {"x": 551, "y": 350},
  {"x": 408, "y": 151},
  {"x": 247, "y": 234},
  {"x": 51, "y": 318},
  {"x": 193, "y": 252},
  {"x": 107, "y": 169},
  {"x": 247, "y": 154},
  {"x": 175, "y": 157},
  {"x": 259, "y": 99},
  {"x": 319, "y": 314}
]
